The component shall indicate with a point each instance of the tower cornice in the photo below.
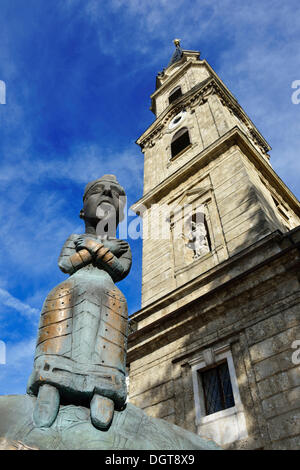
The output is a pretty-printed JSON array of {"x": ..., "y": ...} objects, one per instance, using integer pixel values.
[
  {"x": 233, "y": 137},
  {"x": 278, "y": 246}
]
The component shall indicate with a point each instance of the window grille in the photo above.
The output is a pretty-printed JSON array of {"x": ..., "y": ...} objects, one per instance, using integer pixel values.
[{"x": 217, "y": 389}]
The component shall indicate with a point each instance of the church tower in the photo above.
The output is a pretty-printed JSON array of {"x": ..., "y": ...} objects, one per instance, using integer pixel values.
[{"x": 211, "y": 347}]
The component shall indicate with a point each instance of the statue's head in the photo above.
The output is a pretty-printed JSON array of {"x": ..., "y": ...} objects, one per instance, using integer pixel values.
[{"x": 103, "y": 200}]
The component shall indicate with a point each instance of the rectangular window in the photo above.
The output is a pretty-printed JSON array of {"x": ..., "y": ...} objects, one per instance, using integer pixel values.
[
  {"x": 217, "y": 389},
  {"x": 180, "y": 141},
  {"x": 175, "y": 94}
]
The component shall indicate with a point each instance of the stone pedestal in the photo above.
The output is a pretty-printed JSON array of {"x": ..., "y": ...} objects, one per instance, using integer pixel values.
[{"x": 131, "y": 429}]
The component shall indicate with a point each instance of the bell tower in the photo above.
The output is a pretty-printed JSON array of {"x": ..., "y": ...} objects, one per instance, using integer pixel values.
[
  {"x": 213, "y": 208},
  {"x": 203, "y": 148}
]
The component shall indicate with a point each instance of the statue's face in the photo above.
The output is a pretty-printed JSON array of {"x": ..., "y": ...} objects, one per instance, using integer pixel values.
[{"x": 102, "y": 202}]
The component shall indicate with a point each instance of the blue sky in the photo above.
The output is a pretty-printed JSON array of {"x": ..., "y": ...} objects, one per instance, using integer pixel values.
[{"x": 78, "y": 75}]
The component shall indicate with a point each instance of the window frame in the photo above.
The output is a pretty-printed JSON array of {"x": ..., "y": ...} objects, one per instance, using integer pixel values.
[
  {"x": 179, "y": 133},
  {"x": 173, "y": 92},
  {"x": 216, "y": 367},
  {"x": 217, "y": 356}
]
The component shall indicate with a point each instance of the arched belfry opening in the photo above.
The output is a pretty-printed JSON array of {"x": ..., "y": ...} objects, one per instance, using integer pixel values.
[
  {"x": 180, "y": 141},
  {"x": 176, "y": 93}
]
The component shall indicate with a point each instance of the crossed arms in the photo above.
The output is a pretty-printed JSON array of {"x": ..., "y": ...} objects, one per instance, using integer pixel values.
[{"x": 79, "y": 251}]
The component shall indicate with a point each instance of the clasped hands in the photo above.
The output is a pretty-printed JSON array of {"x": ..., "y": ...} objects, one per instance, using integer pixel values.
[{"x": 98, "y": 250}]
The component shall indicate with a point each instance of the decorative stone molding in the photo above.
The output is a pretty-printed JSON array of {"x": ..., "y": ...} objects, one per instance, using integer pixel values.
[
  {"x": 149, "y": 142},
  {"x": 183, "y": 257},
  {"x": 234, "y": 136},
  {"x": 215, "y": 351},
  {"x": 224, "y": 426},
  {"x": 209, "y": 356},
  {"x": 197, "y": 97}
]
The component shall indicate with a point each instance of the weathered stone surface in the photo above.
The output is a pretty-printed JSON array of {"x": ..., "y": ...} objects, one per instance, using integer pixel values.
[
  {"x": 244, "y": 293},
  {"x": 279, "y": 383},
  {"x": 274, "y": 345},
  {"x": 285, "y": 425},
  {"x": 72, "y": 430}
]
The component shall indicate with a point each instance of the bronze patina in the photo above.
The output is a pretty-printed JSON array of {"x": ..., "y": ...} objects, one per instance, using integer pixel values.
[{"x": 81, "y": 346}]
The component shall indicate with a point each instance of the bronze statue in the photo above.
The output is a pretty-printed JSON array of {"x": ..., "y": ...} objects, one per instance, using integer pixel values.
[{"x": 81, "y": 347}]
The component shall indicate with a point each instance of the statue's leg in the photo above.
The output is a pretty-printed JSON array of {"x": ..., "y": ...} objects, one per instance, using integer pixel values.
[
  {"x": 46, "y": 406},
  {"x": 102, "y": 411}
]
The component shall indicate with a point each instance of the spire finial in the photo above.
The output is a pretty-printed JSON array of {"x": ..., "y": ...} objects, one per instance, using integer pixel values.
[{"x": 177, "y": 53}]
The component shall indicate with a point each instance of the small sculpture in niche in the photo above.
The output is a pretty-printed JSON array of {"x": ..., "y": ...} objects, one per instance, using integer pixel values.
[
  {"x": 80, "y": 355},
  {"x": 197, "y": 235}
]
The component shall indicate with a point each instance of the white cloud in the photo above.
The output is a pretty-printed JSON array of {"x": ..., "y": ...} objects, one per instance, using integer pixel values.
[
  {"x": 84, "y": 163},
  {"x": 10, "y": 301},
  {"x": 259, "y": 61},
  {"x": 35, "y": 223}
]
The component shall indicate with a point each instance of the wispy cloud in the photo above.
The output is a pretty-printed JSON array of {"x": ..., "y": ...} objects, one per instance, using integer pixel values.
[
  {"x": 254, "y": 46},
  {"x": 79, "y": 74}
]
